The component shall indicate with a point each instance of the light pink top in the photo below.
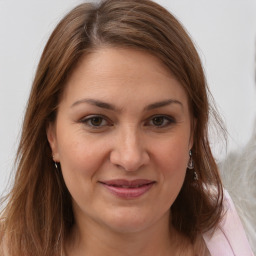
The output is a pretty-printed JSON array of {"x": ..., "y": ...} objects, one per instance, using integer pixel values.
[{"x": 229, "y": 238}]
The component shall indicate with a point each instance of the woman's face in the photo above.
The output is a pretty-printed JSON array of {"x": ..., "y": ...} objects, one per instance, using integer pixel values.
[{"x": 122, "y": 136}]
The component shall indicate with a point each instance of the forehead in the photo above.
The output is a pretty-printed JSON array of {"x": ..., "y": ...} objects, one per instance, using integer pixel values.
[{"x": 121, "y": 73}]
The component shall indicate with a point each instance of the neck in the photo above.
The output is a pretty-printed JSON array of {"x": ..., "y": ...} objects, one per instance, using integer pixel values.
[{"x": 90, "y": 238}]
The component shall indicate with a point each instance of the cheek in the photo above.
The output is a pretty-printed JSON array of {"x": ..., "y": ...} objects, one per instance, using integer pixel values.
[
  {"x": 173, "y": 155},
  {"x": 80, "y": 161},
  {"x": 78, "y": 151},
  {"x": 80, "y": 166},
  {"x": 174, "y": 165},
  {"x": 172, "y": 159}
]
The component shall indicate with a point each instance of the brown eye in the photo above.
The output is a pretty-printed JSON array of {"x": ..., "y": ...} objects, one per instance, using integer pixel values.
[
  {"x": 96, "y": 121},
  {"x": 158, "y": 120}
]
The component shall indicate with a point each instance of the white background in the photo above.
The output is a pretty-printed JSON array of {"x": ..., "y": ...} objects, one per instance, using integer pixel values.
[{"x": 224, "y": 32}]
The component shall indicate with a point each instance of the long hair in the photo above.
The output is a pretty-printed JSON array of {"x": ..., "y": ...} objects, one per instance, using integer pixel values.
[{"x": 39, "y": 215}]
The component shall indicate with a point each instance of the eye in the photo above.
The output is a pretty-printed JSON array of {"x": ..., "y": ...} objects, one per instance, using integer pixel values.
[
  {"x": 160, "y": 121},
  {"x": 96, "y": 121}
]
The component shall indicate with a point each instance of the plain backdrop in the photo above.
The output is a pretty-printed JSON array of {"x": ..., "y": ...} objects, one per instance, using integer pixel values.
[{"x": 224, "y": 32}]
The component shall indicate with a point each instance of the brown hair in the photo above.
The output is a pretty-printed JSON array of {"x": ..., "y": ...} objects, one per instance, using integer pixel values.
[{"x": 39, "y": 214}]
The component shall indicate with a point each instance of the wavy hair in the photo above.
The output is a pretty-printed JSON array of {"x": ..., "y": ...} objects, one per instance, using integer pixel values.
[{"x": 38, "y": 215}]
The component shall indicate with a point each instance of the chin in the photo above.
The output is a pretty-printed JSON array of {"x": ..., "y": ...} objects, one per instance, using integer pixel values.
[
  {"x": 132, "y": 220},
  {"x": 128, "y": 221}
]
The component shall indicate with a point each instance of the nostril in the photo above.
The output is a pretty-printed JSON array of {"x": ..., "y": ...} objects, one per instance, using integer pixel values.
[
  {"x": 129, "y": 162},
  {"x": 128, "y": 151}
]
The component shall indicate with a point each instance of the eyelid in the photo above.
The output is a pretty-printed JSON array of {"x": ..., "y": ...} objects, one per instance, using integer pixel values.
[
  {"x": 171, "y": 120},
  {"x": 86, "y": 119}
]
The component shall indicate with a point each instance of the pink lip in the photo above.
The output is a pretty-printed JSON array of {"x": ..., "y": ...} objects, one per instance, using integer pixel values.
[{"x": 128, "y": 189}]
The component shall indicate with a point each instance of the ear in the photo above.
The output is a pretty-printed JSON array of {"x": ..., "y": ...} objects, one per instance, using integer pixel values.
[
  {"x": 192, "y": 132},
  {"x": 52, "y": 139}
]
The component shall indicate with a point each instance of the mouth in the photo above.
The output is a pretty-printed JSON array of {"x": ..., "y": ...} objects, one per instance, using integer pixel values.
[{"x": 128, "y": 189}]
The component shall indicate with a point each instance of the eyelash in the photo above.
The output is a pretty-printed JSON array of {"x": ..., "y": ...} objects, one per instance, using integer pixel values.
[
  {"x": 167, "y": 120},
  {"x": 87, "y": 121}
]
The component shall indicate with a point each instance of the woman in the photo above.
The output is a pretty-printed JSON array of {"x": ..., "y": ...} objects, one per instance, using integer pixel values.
[{"x": 114, "y": 157}]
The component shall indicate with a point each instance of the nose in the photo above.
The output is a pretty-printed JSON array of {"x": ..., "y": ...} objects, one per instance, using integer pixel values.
[{"x": 129, "y": 150}]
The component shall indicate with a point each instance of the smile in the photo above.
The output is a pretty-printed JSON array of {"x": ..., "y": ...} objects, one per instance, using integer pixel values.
[{"x": 128, "y": 189}]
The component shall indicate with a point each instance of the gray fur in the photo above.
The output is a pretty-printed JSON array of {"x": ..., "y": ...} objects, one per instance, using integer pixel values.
[{"x": 238, "y": 173}]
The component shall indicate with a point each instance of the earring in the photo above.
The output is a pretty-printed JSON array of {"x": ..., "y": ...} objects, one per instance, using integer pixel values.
[
  {"x": 190, "y": 162},
  {"x": 55, "y": 163},
  {"x": 195, "y": 175},
  {"x": 191, "y": 165}
]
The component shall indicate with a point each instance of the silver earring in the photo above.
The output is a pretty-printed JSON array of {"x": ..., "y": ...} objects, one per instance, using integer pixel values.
[
  {"x": 55, "y": 163},
  {"x": 190, "y": 162},
  {"x": 191, "y": 165},
  {"x": 195, "y": 175}
]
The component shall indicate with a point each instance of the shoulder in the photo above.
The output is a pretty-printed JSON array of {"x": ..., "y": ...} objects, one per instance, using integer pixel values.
[{"x": 229, "y": 237}]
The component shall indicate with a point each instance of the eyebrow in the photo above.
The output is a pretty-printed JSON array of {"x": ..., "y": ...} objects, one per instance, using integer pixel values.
[
  {"x": 105, "y": 105},
  {"x": 162, "y": 104},
  {"x": 97, "y": 103}
]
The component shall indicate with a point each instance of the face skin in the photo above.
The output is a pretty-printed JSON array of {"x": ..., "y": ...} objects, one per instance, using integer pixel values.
[{"x": 142, "y": 132}]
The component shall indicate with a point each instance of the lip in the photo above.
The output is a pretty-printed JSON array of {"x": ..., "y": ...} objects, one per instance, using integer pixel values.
[{"x": 128, "y": 189}]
